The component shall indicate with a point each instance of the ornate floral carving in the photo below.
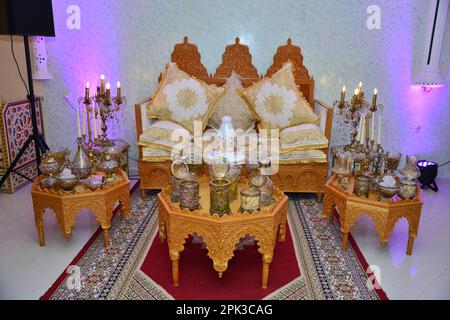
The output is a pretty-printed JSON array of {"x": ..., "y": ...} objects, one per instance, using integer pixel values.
[
  {"x": 236, "y": 58},
  {"x": 384, "y": 214},
  {"x": 66, "y": 205},
  {"x": 188, "y": 59},
  {"x": 293, "y": 53},
  {"x": 221, "y": 234}
]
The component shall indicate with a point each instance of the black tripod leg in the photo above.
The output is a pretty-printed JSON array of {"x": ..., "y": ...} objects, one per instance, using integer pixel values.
[
  {"x": 434, "y": 186},
  {"x": 42, "y": 144},
  {"x": 16, "y": 159}
]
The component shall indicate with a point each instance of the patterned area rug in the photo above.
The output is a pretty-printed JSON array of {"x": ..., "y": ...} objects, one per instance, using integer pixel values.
[{"x": 325, "y": 271}]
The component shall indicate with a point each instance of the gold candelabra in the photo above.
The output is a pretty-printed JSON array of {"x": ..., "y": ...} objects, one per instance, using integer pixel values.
[
  {"x": 102, "y": 106},
  {"x": 362, "y": 145}
]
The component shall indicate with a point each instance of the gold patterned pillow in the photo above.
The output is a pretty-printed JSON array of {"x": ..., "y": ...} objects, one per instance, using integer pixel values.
[
  {"x": 233, "y": 105},
  {"x": 183, "y": 99},
  {"x": 277, "y": 102},
  {"x": 302, "y": 137}
]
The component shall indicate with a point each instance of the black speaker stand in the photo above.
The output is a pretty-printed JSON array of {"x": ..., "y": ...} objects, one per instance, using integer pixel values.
[{"x": 40, "y": 146}]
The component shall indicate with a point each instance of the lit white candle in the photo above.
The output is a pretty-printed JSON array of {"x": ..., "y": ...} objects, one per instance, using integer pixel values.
[
  {"x": 102, "y": 83},
  {"x": 78, "y": 123},
  {"x": 118, "y": 89},
  {"x": 379, "y": 129},
  {"x": 372, "y": 134}
]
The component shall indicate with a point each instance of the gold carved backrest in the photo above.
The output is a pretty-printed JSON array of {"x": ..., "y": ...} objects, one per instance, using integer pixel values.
[
  {"x": 188, "y": 59},
  {"x": 236, "y": 58},
  {"x": 293, "y": 53}
]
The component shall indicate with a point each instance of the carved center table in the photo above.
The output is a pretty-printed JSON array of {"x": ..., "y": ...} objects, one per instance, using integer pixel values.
[
  {"x": 221, "y": 234},
  {"x": 66, "y": 205},
  {"x": 384, "y": 213}
]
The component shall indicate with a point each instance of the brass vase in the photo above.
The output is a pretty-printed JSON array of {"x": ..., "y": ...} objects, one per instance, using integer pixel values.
[{"x": 220, "y": 196}]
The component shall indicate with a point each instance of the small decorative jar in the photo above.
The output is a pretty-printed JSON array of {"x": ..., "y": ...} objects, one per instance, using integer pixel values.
[
  {"x": 219, "y": 196},
  {"x": 407, "y": 189},
  {"x": 411, "y": 171},
  {"x": 250, "y": 200},
  {"x": 265, "y": 186},
  {"x": 189, "y": 194},
  {"x": 180, "y": 172},
  {"x": 233, "y": 174},
  {"x": 362, "y": 186},
  {"x": 392, "y": 161},
  {"x": 109, "y": 166}
]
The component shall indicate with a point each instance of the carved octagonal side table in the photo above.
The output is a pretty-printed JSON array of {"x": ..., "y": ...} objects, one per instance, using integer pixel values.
[
  {"x": 66, "y": 205},
  {"x": 221, "y": 234},
  {"x": 384, "y": 214}
]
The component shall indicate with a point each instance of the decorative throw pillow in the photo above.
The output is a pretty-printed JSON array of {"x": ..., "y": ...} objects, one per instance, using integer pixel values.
[
  {"x": 277, "y": 102},
  {"x": 233, "y": 105},
  {"x": 302, "y": 137},
  {"x": 183, "y": 99},
  {"x": 165, "y": 135}
]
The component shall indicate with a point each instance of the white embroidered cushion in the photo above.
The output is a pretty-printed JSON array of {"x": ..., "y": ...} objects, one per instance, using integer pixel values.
[
  {"x": 165, "y": 135},
  {"x": 302, "y": 137},
  {"x": 233, "y": 105},
  {"x": 183, "y": 99},
  {"x": 303, "y": 156},
  {"x": 277, "y": 102}
]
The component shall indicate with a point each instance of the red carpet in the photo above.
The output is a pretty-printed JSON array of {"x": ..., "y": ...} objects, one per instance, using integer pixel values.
[{"x": 242, "y": 279}]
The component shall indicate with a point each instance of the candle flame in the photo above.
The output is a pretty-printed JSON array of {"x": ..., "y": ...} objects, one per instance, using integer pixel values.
[
  {"x": 118, "y": 84},
  {"x": 375, "y": 91},
  {"x": 343, "y": 89},
  {"x": 87, "y": 85},
  {"x": 102, "y": 77},
  {"x": 360, "y": 84},
  {"x": 108, "y": 86}
]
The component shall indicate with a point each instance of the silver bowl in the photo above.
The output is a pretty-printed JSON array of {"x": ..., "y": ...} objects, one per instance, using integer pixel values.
[
  {"x": 388, "y": 192},
  {"x": 48, "y": 182},
  {"x": 68, "y": 183},
  {"x": 93, "y": 183}
]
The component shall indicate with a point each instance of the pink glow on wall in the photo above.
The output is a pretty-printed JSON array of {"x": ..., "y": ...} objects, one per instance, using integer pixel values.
[{"x": 98, "y": 35}]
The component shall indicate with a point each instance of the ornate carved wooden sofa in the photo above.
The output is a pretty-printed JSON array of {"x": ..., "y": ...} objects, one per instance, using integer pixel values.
[{"x": 304, "y": 177}]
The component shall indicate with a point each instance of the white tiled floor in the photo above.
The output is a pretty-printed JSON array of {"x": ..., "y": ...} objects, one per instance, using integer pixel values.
[{"x": 28, "y": 270}]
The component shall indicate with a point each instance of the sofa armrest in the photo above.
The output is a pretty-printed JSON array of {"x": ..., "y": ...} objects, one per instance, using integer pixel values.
[
  {"x": 325, "y": 113},
  {"x": 142, "y": 122}
]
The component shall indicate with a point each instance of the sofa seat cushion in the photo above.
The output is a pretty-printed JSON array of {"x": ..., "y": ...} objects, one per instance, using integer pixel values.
[
  {"x": 277, "y": 102},
  {"x": 150, "y": 154},
  {"x": 165, "y": 135},
  {"x": 303, "y": 156},
  {"x": 183, "y": 99},
  {"x": 302, "y": 137}
]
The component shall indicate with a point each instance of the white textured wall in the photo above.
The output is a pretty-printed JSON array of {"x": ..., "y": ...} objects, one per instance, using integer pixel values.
[{"x": 131, "y": 41}]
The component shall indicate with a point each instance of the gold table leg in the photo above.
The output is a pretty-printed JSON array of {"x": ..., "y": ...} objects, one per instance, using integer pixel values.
[
  {"x": 106, "y": 237},
  {"x": 410, "y": 245},
  {"x": 345, "y": 241},
  {"x": 175, "y": 257},
  {"x": 265, "y": 272}
]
